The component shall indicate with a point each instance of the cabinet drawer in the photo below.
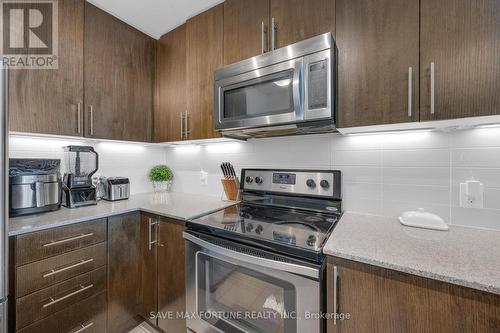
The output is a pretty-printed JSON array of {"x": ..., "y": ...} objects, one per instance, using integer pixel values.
[
  {"x": 48, "y": 301},
  {"x": 44, "y": 244},
  {"x": 44, "y": 273},
  {"x": 87, "y": 316}
]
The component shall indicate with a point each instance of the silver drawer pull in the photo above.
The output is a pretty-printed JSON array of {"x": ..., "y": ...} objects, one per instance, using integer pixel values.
[
  {"x": 56, "y": 271},
  {"x": 83, "y": 327},
  {"x": 57, "y": 300},
  {"x": 62, "y": 241}
]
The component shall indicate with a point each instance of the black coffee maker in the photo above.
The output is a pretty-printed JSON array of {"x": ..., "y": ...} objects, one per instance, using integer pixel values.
[{"x": 82, "y": 162}]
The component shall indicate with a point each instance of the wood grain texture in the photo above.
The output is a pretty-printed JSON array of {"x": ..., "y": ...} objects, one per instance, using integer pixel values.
[
  {"x": 242, "y": 28},
  {"x": 91, "y": 310},
  {"x": 171, "y": 274},
  {"x": 30, "y": 308},
  {"x": 301, "y": 19},
  {"x": 119, "y": 75},
  {"x": 204, "y": 35},
  {"x": 382, "y": 300},
  {"x": 170, "y": 100},
  {"x": 377, "y": 42},
  {"x": 123, "y": 271},
  {"x": 148, "y": 297},
  {"x": 30, "y": 247},
  {"x": 29, "y": 278},
  {"x": 462, "y": 38},
  {"x": 45, "y": 101}
]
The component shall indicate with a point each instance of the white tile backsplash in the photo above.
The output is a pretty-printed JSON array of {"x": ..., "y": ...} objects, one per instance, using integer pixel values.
[
  {"x": 382, "y": 174},
  {"x": 115, "y": 159}
]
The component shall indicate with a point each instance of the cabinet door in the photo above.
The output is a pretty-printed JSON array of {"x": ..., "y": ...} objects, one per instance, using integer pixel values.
[
  {"x": 49, "y": 101},
  {"x": 462, "y": 39},
  {"x": 148, "y": 268},
  {"x": 301, "y": 19},
  {"x": 171, "y": 275},
  {"x": 123, "y": 271},
  {"x": 378, "y": 43},
  {"x": 382, "y": 300},
  {"x": 119, "y": 65},
  {"x": 204, "y": 56},
  {"x": 170, "y": 101},
  {"x": 243, "y": 21}
]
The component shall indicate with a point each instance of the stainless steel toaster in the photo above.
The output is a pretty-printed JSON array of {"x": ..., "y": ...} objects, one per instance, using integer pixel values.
[
  {"x": 31, "y": 194},
  {"x": 116, "y": 188}
]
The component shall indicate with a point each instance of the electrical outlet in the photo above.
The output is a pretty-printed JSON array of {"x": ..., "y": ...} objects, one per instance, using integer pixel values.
[
  {"x": 472, "y": 194},
  {"x": 203, "y": 178}
]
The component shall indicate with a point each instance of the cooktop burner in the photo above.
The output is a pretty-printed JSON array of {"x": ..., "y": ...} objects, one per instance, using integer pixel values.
[{"x": 291, "y": 224}]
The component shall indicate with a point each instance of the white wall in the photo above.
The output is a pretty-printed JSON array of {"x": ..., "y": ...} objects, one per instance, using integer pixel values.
[
  {"x": 115, "y": 159},
  {"x": 382, "y": 174}
]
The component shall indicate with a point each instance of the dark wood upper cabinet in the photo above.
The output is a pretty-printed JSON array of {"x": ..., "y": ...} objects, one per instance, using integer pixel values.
[
  {"x": 243, "y": 21},
  {"x": 301, "y": 19},
  {"x": 204, "y": 45},
  {"x": 462, "y": 39},
  {"x": 382, "y": 300},
  {"x": 170, "y": 98},
  {"x": 49, "y": 101},
  {"x": 378, "y": 43},
  {"x": 118, "y": 76},
  {"x": 171, "y": 274}
]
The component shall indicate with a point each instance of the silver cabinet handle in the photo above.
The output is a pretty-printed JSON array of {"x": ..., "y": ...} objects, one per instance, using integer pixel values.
[
  {"x": 410, "y": 91},
  {"x": 57, "y": 271},
  {"x": 263, "y": 33},
  {"x": 91, "y": 112},
  {"x": 336, "y": 294},
  {"x": 78, "y": 118},
  {"x": 182, "y": 125},
  {"x": 274, "y": 27},
  {"x": 433, "y": 87},
  {"x": 82, "y": 327},
  {"x": 62, "y": 298},
  {"x": 151, "y": 224},
  {"x": 62, "y": 241},
  {"x": 188, "y": 132}
]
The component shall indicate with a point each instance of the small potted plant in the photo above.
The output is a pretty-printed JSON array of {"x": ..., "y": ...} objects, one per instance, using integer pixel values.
[{"x": 161, "y": 176}]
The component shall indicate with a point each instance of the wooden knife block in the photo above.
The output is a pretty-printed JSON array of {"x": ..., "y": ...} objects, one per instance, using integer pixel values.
[{"x": 231, "y": 188}]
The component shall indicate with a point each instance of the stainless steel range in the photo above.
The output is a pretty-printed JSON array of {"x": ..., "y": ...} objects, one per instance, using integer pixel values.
[{"x": 258, "y": 266}]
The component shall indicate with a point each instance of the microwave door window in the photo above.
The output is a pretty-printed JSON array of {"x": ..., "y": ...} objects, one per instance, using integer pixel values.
[
  {"x": 245, "y": 300},
  {"x": 260, "y": 97}
]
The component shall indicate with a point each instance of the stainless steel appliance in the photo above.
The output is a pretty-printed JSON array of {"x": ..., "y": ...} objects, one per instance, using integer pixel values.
[
  {"x": 287, "y": 91},
  {"x": 34, "y": 186},
  {"x": 78, "y": 188},
  {"x": 4, "y": 225},
  {"x": 116, "y": 188},
  {"x": 258, "y": 266}
]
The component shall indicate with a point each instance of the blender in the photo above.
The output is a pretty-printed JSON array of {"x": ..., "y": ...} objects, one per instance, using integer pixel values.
[{"x": 82, "y": 162}]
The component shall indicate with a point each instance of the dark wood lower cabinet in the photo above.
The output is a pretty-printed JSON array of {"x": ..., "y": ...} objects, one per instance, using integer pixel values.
[
  {"x": 382, "y": 300},
  {"x": 171, "y": 275}
]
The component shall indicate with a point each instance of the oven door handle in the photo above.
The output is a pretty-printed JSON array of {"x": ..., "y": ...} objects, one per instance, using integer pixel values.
[{"x": 248, "y": 259}]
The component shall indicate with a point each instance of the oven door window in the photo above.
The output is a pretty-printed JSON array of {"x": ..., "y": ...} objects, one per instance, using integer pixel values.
[
  {"x": 265, "y": 96},
  {"x": 237, "y": 299}
]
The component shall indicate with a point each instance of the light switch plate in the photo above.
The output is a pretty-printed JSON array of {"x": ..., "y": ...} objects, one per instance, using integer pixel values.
[{"x": 472, "y": 194}]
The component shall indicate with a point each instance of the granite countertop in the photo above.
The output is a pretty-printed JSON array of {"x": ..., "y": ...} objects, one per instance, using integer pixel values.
[
  {"x": 464, "y": 256},
  {"x": 178, "y": 206}
]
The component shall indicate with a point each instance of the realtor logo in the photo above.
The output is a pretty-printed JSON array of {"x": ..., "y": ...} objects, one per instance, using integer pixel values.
[{"x": 29, "y": 37}]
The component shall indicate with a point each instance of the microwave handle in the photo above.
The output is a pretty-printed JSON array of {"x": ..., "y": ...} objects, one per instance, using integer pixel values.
[
  {"x": 298, "y": 85},
  {"x": 248, "y": 259}
]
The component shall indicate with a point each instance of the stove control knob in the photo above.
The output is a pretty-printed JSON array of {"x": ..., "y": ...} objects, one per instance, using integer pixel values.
[
  {"x": 249, "y": 179},
  {"x": 259, "y": 180},
  {"x": 311, "y": 183},
  {"x": 249, "y": 227},
  {"x": 324, "y": 184},
  {"x": 311, "y": 240},
  {"x": 259, "y": 229}
]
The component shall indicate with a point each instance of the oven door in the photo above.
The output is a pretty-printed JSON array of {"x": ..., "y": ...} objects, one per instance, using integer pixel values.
[
  {"x": 263, "y": 97},
  {"x": 230, "y": 291}
]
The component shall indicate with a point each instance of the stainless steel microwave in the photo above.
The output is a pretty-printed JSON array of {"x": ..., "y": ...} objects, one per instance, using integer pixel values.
[{"x": 286, "y": 91}]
